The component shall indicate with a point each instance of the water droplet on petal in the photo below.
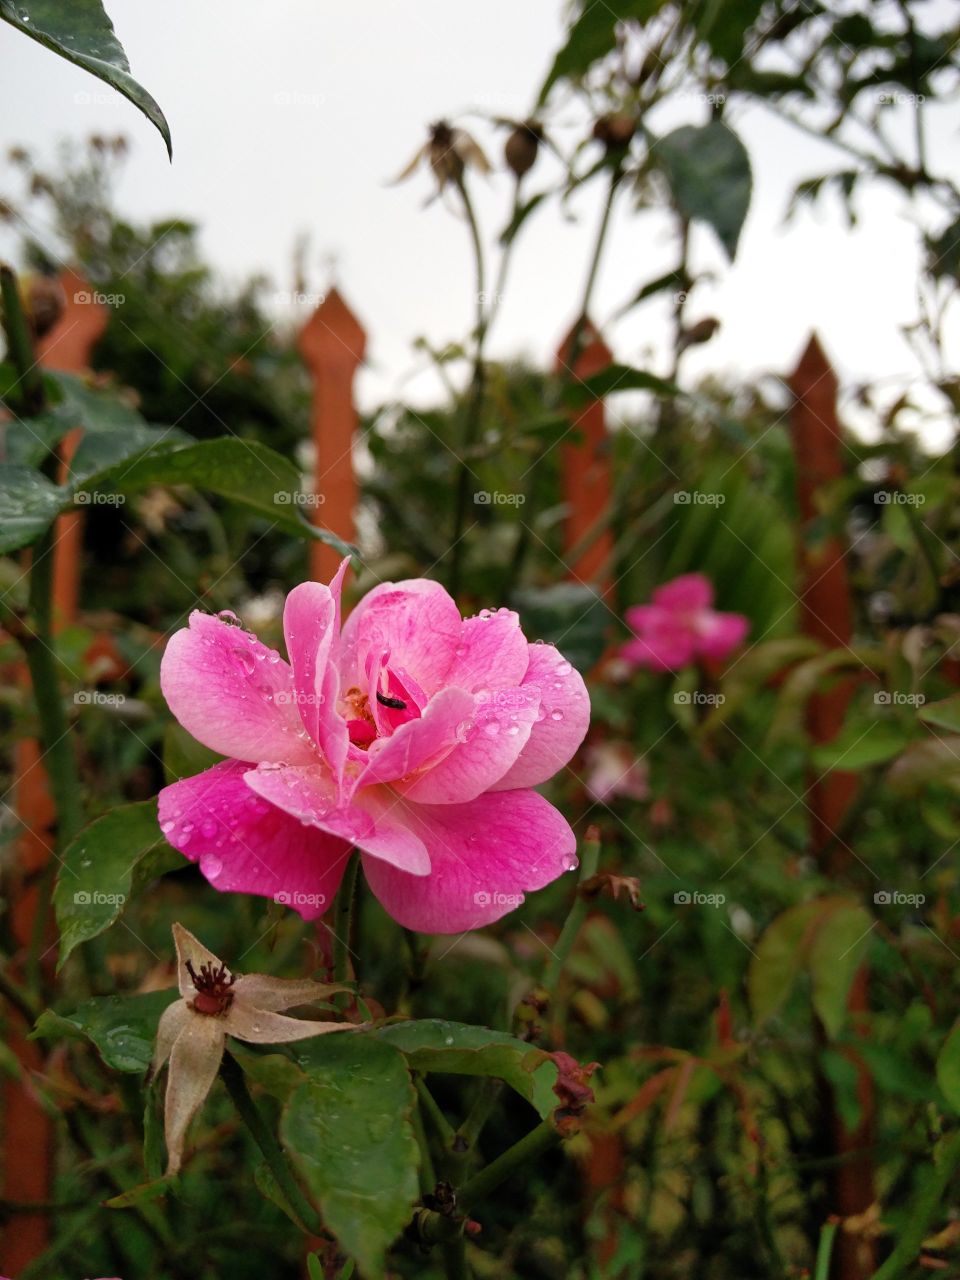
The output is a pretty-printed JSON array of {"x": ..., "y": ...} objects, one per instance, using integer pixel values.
[
  {"x": 229, "y": 617},
  {"x": 245, "y": 659},
  {"x": 167, "y": 827},
  {"x": 491, "y": 728},
  {"x": 563, "y": 669},
  {"x": 211, "y": 868},
  {"x": 208, "y": 828},
  {"x": 556, "y": 715}
]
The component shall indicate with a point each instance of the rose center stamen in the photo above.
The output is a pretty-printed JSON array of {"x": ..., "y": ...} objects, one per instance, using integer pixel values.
[{"x": 213, "y": 986}]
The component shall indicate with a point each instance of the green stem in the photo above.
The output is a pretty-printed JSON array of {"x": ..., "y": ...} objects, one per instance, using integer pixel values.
[
  {"x": 270, "y": 1149},
  {"x": 926, "y": 1205},
  {"x": 538, "y": 1140},
  {"x": 825, "y": 1251},
  {"x": 463, "y": 1142},
  {"x": 475, "y": 402},
  {"x": 343, "y": 920},
  {"x": 576, "y": 915},
  {"x": 20, "y": 343},
  {"x": 428, "y": 1104}
]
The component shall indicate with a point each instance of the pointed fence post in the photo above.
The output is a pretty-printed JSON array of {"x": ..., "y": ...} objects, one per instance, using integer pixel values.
[
  {"x": 27, "y": 1132},
  {"x": 587, "y": 489},
  {"x": 332, "y": 344},
  {"x": 827, "y": 616}
]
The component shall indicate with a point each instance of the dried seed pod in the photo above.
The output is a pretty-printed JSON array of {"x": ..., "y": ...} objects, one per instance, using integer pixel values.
[
  {"x": 615, "y": 130},
  {"x": 522, "y": 146}
]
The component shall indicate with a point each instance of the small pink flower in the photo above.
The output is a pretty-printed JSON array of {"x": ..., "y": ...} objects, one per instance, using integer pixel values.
[
  {"x": 412, "y": 734},
  {"x": 679, "y": 626},
  {"x": 613, "y": 770}
]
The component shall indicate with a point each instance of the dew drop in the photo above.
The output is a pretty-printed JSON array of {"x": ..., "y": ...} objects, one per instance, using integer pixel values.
[
  {"x": 485, "y": 613},
  {"x": 245, "y": 659},
  {"x": 491, "y": 728},
  {"x": 563, "y": 669},
  {"x": 208, "y": 828},
  {"x": 513, "y": 730},
  {"x": 167, "y": 826},
  {"x": 556, "y": 715},
  {"x": 229, "y": 617},
  {"x": 212, "y": 867}
]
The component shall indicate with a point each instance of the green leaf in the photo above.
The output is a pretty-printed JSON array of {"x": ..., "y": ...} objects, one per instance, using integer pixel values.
[
  {"x": 778, "y": 960},
  {"x": 708, "y": 170},
  {"x": 948, "y": 1068},
  {"x": 859, "y": 746},
  {"x": 82, "y": 33},
  {"x": 122, "y": 1028},
  {"x": 520, "y": 216},
  {"x": 836, "y": 952},
  {"x": 183, "y": 756},
  {"x": 571, "y": 616},
  {"x": 141, "y": 1194},
  {"x": 945, "y": 714},
  {"x": 348, "y": 1132},
  {"x": 29, "y": 504},
  {"x": 244, "y": 471},
  {"x": 593, "y": 36},
  {"x": 103, "y": 867},
  {"x": 617, "y": 377},
  {"x": 435, "y": 1045}
]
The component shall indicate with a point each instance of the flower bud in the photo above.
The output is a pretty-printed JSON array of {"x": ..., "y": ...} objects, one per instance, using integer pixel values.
[
  {"x": 520, "y": 150},
  {"x": 615, "y": 130}
]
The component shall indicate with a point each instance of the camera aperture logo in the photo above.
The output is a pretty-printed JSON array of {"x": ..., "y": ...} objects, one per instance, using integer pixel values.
[
  {"x": 694, "y": 898},
  {"x": 94, "y": 898},
  {"x": 894, "y": 898},
  {"x": 491, "y": 898},
  {"x": 284, "y": 899}
]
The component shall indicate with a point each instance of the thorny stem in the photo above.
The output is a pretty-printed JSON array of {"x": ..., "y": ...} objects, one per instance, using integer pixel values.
[
  {"x": 577, "y": 914},
  {"x": 475, "y": 402},
  {"x": 264, "y": 1137}
]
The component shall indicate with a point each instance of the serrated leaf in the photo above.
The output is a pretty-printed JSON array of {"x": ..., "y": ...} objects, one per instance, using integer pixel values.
[
  {"x": 122, "y": 1028},
  {"x": 101, "y": 868},
  {"x": 432, "y": 1044},
  {"x": 29, "y": 504},
  {"x": 836, "y": 953},
  {"x": 708, "y": 170},
  {"x": 347, "y": 1130},
  {"x": 82, "y": 33}
]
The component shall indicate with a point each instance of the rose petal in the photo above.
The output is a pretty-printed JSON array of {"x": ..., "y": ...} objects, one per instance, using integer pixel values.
[
  {"x": 260, "y": 1026},
  {"x": 310, "y": 628},
  {"x": 265, "y": 992},
  {"x": 564, "y": 718},
  {"x": 232, "y": 693},
  {"x": 245, "y": 844},
  {"x": 194, "y": 1062},
  {"x": 665, "y": 643},
  {"x": 367, "y": 822},
  {"x": 494, "y": 735},
  {"x": 485, "y": 855},
  {"x": 416, "y": 621},
  {"x": 687, "y": 594},
  {"x": 413, "y": 745},
  {"x": 718, "y": 634},
  {"x": 491, "y": 653}
]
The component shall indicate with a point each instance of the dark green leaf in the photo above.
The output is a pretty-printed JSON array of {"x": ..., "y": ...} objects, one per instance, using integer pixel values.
[
  {"x": 102, "y": 868},
  {"x": 348, "y": 1132},
  {"x": 568, "y": 615},
  {"x": 836, "y": 953},
  {"x": 29, "y": 504},
  {"x": 82, "y": 33},
  {"x": 708, "y": 170},
  {"x": 434, "y": 1045},
  {"x": 593, "y": 36},
  {"x": 945, "y": 714},
  {"x": 948, "y": 1068},
  {"x": 859, "y": 746},
  {"x": 519, "y": 218},
  {"x": 618, "y": 377},
  {"x": 123, "y": 1028}
]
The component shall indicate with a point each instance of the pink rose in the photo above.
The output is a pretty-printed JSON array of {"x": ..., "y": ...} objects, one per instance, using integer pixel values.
[
  {"x": 412, "y": 734},
  {"x": 680, "y": 626}
]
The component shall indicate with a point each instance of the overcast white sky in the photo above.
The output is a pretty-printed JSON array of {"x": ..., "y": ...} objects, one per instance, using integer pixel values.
[{"x": 290, "y": 116}]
